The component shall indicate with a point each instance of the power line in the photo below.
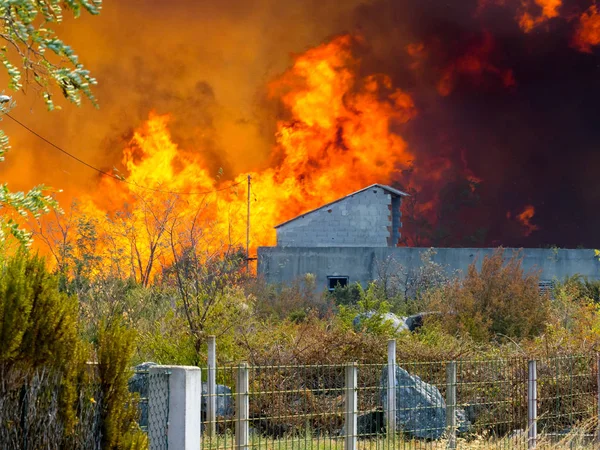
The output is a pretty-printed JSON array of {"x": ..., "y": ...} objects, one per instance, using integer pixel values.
[{"x": 108, "y": 174}]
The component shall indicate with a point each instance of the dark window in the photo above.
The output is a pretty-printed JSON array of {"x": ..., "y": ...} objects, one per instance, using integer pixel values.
[
  {"x": 337, "y": 281},
  {"x": 546, "y": 286}
]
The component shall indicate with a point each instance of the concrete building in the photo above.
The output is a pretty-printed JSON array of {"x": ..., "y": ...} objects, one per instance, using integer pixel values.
[
  {"x": 343, "y": 242},
  {"x": 366, "y": 218}
]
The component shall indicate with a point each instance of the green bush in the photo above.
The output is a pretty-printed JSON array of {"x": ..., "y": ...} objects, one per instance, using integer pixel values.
[
  {"x": 119, "y": 412},
  {"x": 42, "y": 355},
  {"x": 346, "y": 295},
  {"x": 38, "y": 326}
]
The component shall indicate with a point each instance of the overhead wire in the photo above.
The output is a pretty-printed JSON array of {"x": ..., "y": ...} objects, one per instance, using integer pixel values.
[{"x": 110, "y": 175}]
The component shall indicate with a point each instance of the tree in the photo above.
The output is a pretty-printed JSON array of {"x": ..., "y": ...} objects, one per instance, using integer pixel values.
[
  {"x": 206, "y": 273},
  {"x": 34, "y": 56}
]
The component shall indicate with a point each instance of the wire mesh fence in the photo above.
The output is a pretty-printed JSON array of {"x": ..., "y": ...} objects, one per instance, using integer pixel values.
[
  {"x": 567, "y": 394},
  {"x": 32, "y": 411},
  {"x": 466, "y": 404},
  {"x": 157, "y": 408},
  {"x": 492, "y": 398}
]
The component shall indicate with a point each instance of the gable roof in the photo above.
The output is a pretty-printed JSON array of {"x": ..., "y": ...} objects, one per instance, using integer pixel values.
[{"x": 386, "y": 188}]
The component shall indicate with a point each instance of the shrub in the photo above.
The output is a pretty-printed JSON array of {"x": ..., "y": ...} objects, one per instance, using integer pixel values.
[
  {"x": 38, "y": 327},
  {"x": 370, "y": 310},
  {"x": 119, "y": 411},
  {"x": 500, "y": 300},
  {"x": 346, "y": 295},
  {"x": 281, "y": 301}
]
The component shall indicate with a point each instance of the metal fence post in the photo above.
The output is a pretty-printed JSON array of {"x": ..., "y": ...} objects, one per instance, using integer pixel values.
[
  {"x": 351, "y": 412},
  {"x": 211, "y": 404},
  {"x": 532, "y": 404},
  {"x": 242, "y": 408},
  {"x": 451, "y": 403},
  {"x": 391, "y": 389}
]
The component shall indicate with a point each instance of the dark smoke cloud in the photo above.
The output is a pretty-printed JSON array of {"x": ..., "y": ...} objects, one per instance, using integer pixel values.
[{"x": 531, "y": 143}]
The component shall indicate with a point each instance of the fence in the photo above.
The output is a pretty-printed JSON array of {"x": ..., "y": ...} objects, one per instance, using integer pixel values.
[
  {"x": 504, "y": 403},
  {"x": 32, "y": 407}
]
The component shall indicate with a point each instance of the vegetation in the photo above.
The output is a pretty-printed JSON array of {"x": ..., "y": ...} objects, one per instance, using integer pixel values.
[
  {"x": 122, "y": 317},
  {"x": 34, "y": 56},
  {"x": 43, "y": 365}
]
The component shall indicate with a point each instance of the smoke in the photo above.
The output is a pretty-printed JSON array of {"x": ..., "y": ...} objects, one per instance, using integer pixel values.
[
  {"x": 515, "y": 108},
  {"x": 206, "y": 65},
  {"x": 505, "y": 93}
]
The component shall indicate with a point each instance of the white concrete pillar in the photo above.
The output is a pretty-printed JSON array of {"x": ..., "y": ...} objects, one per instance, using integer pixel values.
[
  {"x": 351, "y": 407},
  {"x": 532, "y": 404},
  {"x": 242, "y": 408},
  {"x": 211, "y": 410},
  {"x": 391, "y": 390},
  {"x": 451, "y": 404},
  {"x": 184, "y": 404}
]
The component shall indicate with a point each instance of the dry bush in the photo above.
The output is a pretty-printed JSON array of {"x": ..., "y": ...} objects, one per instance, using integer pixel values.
[
  {"x": 500, "y": 300},
  {"x": 312, "y": 341},
  {"x": 297, "y": 299}
]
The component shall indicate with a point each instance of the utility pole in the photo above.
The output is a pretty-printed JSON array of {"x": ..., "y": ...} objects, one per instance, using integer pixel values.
[{"x": 248, "y": 231}]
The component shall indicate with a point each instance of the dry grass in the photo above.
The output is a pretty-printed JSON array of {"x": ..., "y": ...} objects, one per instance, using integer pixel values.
[{"x": 581, "y": 439}]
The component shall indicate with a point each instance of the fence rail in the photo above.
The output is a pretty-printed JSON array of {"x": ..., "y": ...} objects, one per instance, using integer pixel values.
[{"x": 463, "y": 404}]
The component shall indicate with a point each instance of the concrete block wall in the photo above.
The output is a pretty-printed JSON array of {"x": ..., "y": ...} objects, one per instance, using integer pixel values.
[
  {"x": 360, "y": 220},
  {"x": 285, "y": 264}
]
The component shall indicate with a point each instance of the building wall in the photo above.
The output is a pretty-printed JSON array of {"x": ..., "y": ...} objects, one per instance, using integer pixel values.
[
  {"x": 361, "y": 220},
  {"x": 279, "y": 264}
]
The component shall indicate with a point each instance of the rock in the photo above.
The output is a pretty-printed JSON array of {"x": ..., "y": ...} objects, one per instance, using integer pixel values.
[
  {"x": 474, "y": 409},
  {"x": 398, "y": 323},
  {"x": 368, "y": 424},
  {"x": 410, "y": 323},
  {"x": 139, "y": 383},
  {"x": 463, "y": 424},
  {"x": 224, "y": 401},
  {"x": 414, "y": 322},
  {"x": 420, "y": 407}
]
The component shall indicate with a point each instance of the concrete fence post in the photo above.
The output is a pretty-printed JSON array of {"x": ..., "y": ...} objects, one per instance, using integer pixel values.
[
  {"x": 391, "y": 389},
  {"x": 180, "y": 405},
  {"x": 451, "y": 404},
  {"x": 351, "y": 403},
  {"x": 211, "y": 404},
  {"x": 242, "y": 408},
  {"x": 532, "y": 404}
]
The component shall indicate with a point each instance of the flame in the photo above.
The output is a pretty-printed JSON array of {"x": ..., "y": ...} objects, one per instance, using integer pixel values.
[
  {"x": 549, "y": 10},
  {"x": 336, "y": 138},
  {"x": 525, "y": 218},
  {"x": 587, "y": 33},
  {"x": 325, "y": 125}
]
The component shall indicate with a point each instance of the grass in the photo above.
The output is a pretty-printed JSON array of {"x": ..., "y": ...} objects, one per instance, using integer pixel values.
[{"x": 580, "y": 439}]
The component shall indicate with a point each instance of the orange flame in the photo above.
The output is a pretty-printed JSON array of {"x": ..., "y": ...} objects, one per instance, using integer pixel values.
[
  {"x": 524, "y": 219},
  {"x": 587, "y": 34},
  {"x": 549, "y": 10},
  {"x": 335, "y": 139}
]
